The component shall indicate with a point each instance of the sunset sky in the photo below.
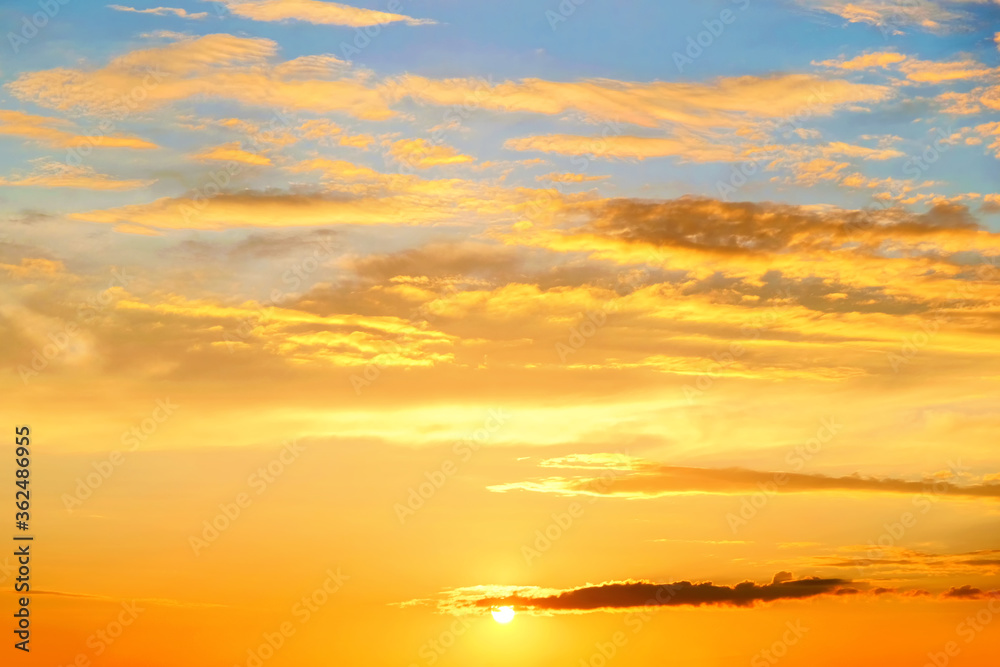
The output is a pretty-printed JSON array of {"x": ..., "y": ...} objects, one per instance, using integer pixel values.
[{"x": 673, "y": 326}]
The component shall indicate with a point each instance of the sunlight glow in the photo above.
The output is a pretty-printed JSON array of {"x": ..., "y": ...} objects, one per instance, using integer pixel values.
[{"x": 503, "y": 614}]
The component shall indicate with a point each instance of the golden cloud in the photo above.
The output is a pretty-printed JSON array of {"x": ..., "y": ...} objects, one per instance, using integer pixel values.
[
  {"x": 691, "y": 148},
  {"x": 880, "y": 59},
  {"x": 929, "y": 71},
  {"x": 724, "y": 102},
  {"x": 60, "y": 133},
  {"x": 422, "y": 154},
  {"x": 232, "y": 152},
  {"x": 212, "y": 66},
  {"x": 161, "y": 11},
  {"x": 315, "y": 11},
  {"x": 50, "y": 174}
]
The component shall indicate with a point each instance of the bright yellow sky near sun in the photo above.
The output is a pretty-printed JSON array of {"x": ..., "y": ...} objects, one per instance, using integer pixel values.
[{"x": 419, "y": 333}]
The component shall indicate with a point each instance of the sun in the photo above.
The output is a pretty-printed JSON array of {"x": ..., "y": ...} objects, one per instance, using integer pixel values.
[{"x": 503, "y": 614}]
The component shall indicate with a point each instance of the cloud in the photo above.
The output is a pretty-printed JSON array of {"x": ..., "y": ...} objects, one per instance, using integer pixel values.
[
  {"x": 817, "y": 170},
  {"x": 892, "y": 16},
  {"x": 33, "y": 267},
  {"x": 362, "y": 141},
  {"x": 421, "y": 154},
  {"x": 991, "y": 132},
  {"x": 724, "y": 120},
  {"x": 880, "y": 59},
  {"x": 277, "y": 133},
  {"x": 243, "y": 69},
  {"x": 160, "y": 11},
  {"x": 325, "y": 132},
  {"x": 60, "y": 133},
  {"x": 710, "y": 227},
  {"x": 929, "y": 71},
  {"x": 348, "y": 194},
  {"x": 337, "y": 340},
  {"x": 692, "y": 148},
  {"x": 257, "y": 246},
  {"x": 966, "y": 593},
  {"x": 684, "y": 278},
  {"x": 724, "y": 102},
  {"x": 232, "y": 152},
  {"x": 569, "y": 178},
  {"x": 813, "y": 164},
  {"x": 472, "y": 294},
  {"x": 318, "y": 129},
  {"x": 837, "y": 284},
  {"x": 598, "y": 461},
  {"x": 217, "y": 66},
  {"x": 651, "y": 480},
  {"x": 862, "y": 152},
  {"x": 50, "y": 174},
  {"x": 632, "y": 594},
  {"x": 898, "y": 558},
  {"x": 316, "y": 12},
  {"x": 344, "y": 171},
  {"x": 250, "y": 209},
  {"x": 166, "y": 602}
]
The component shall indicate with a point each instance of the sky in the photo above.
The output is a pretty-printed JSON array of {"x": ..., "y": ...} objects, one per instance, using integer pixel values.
[{"x": 669, "y": 326}]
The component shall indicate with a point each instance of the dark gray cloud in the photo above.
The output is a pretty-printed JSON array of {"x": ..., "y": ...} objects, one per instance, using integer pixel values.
[{"x": 618, "y": 595}]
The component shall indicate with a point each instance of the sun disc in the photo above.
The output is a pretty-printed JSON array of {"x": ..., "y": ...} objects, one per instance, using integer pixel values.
[{"x": 503, "y": 614}]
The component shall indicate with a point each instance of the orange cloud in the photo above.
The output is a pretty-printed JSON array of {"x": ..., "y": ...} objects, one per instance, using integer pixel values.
[
  {"x": 33, "y": 267},
  {"x": 362, "y": 141},
  {"x": 323, "y": 131},
  {"x": 338, "y": 339},
  {"x": 49, "y": 174},
  {"x": 991, "y": 131},
  {"x": 820, "y": 169},
  {"x": 569, "y": 178},
  {"x": 899, "y": 558},
  {"x": 863, "y": 152},
  {"x": 963, "y": 103},
  {"x": 724, "y": 102},
  {"x": 695, "y": 149},
  {"x": 224, "y": 66},
  {"x": 160, "y": 11},
  {"x": 422, "y": 154},
  {"x": 813, "y": 164},
  {"x": 890, "y": 16},
  {"x": 215, "y": 66},
  {"x": 350, "y": 194},
  {"x": 277, "y": 132},
  {"x": 928, "y": 71},
  {"x": 653, "y": 481},
  {"x": 314, "y": 11},
  {"x": 58, "y": 133},
  {"x": 254, "y": 210},
  {"x": 320, "y": 128},
  {"x": 866, "y": 61},
  {"x": 232, "y": 152}
]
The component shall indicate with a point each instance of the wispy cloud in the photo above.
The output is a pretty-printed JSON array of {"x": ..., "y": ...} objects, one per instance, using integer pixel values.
[
  {"x": 161, "y": 11},
  {"x": 62, "y": 133},
  {"x": 633, "y": 594},
  {"x": 315, "y": 11},
  {"x": 50, "y": 174},
  {"x": 894, "y": 17},
  {"x": 651, "y": 480}
]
